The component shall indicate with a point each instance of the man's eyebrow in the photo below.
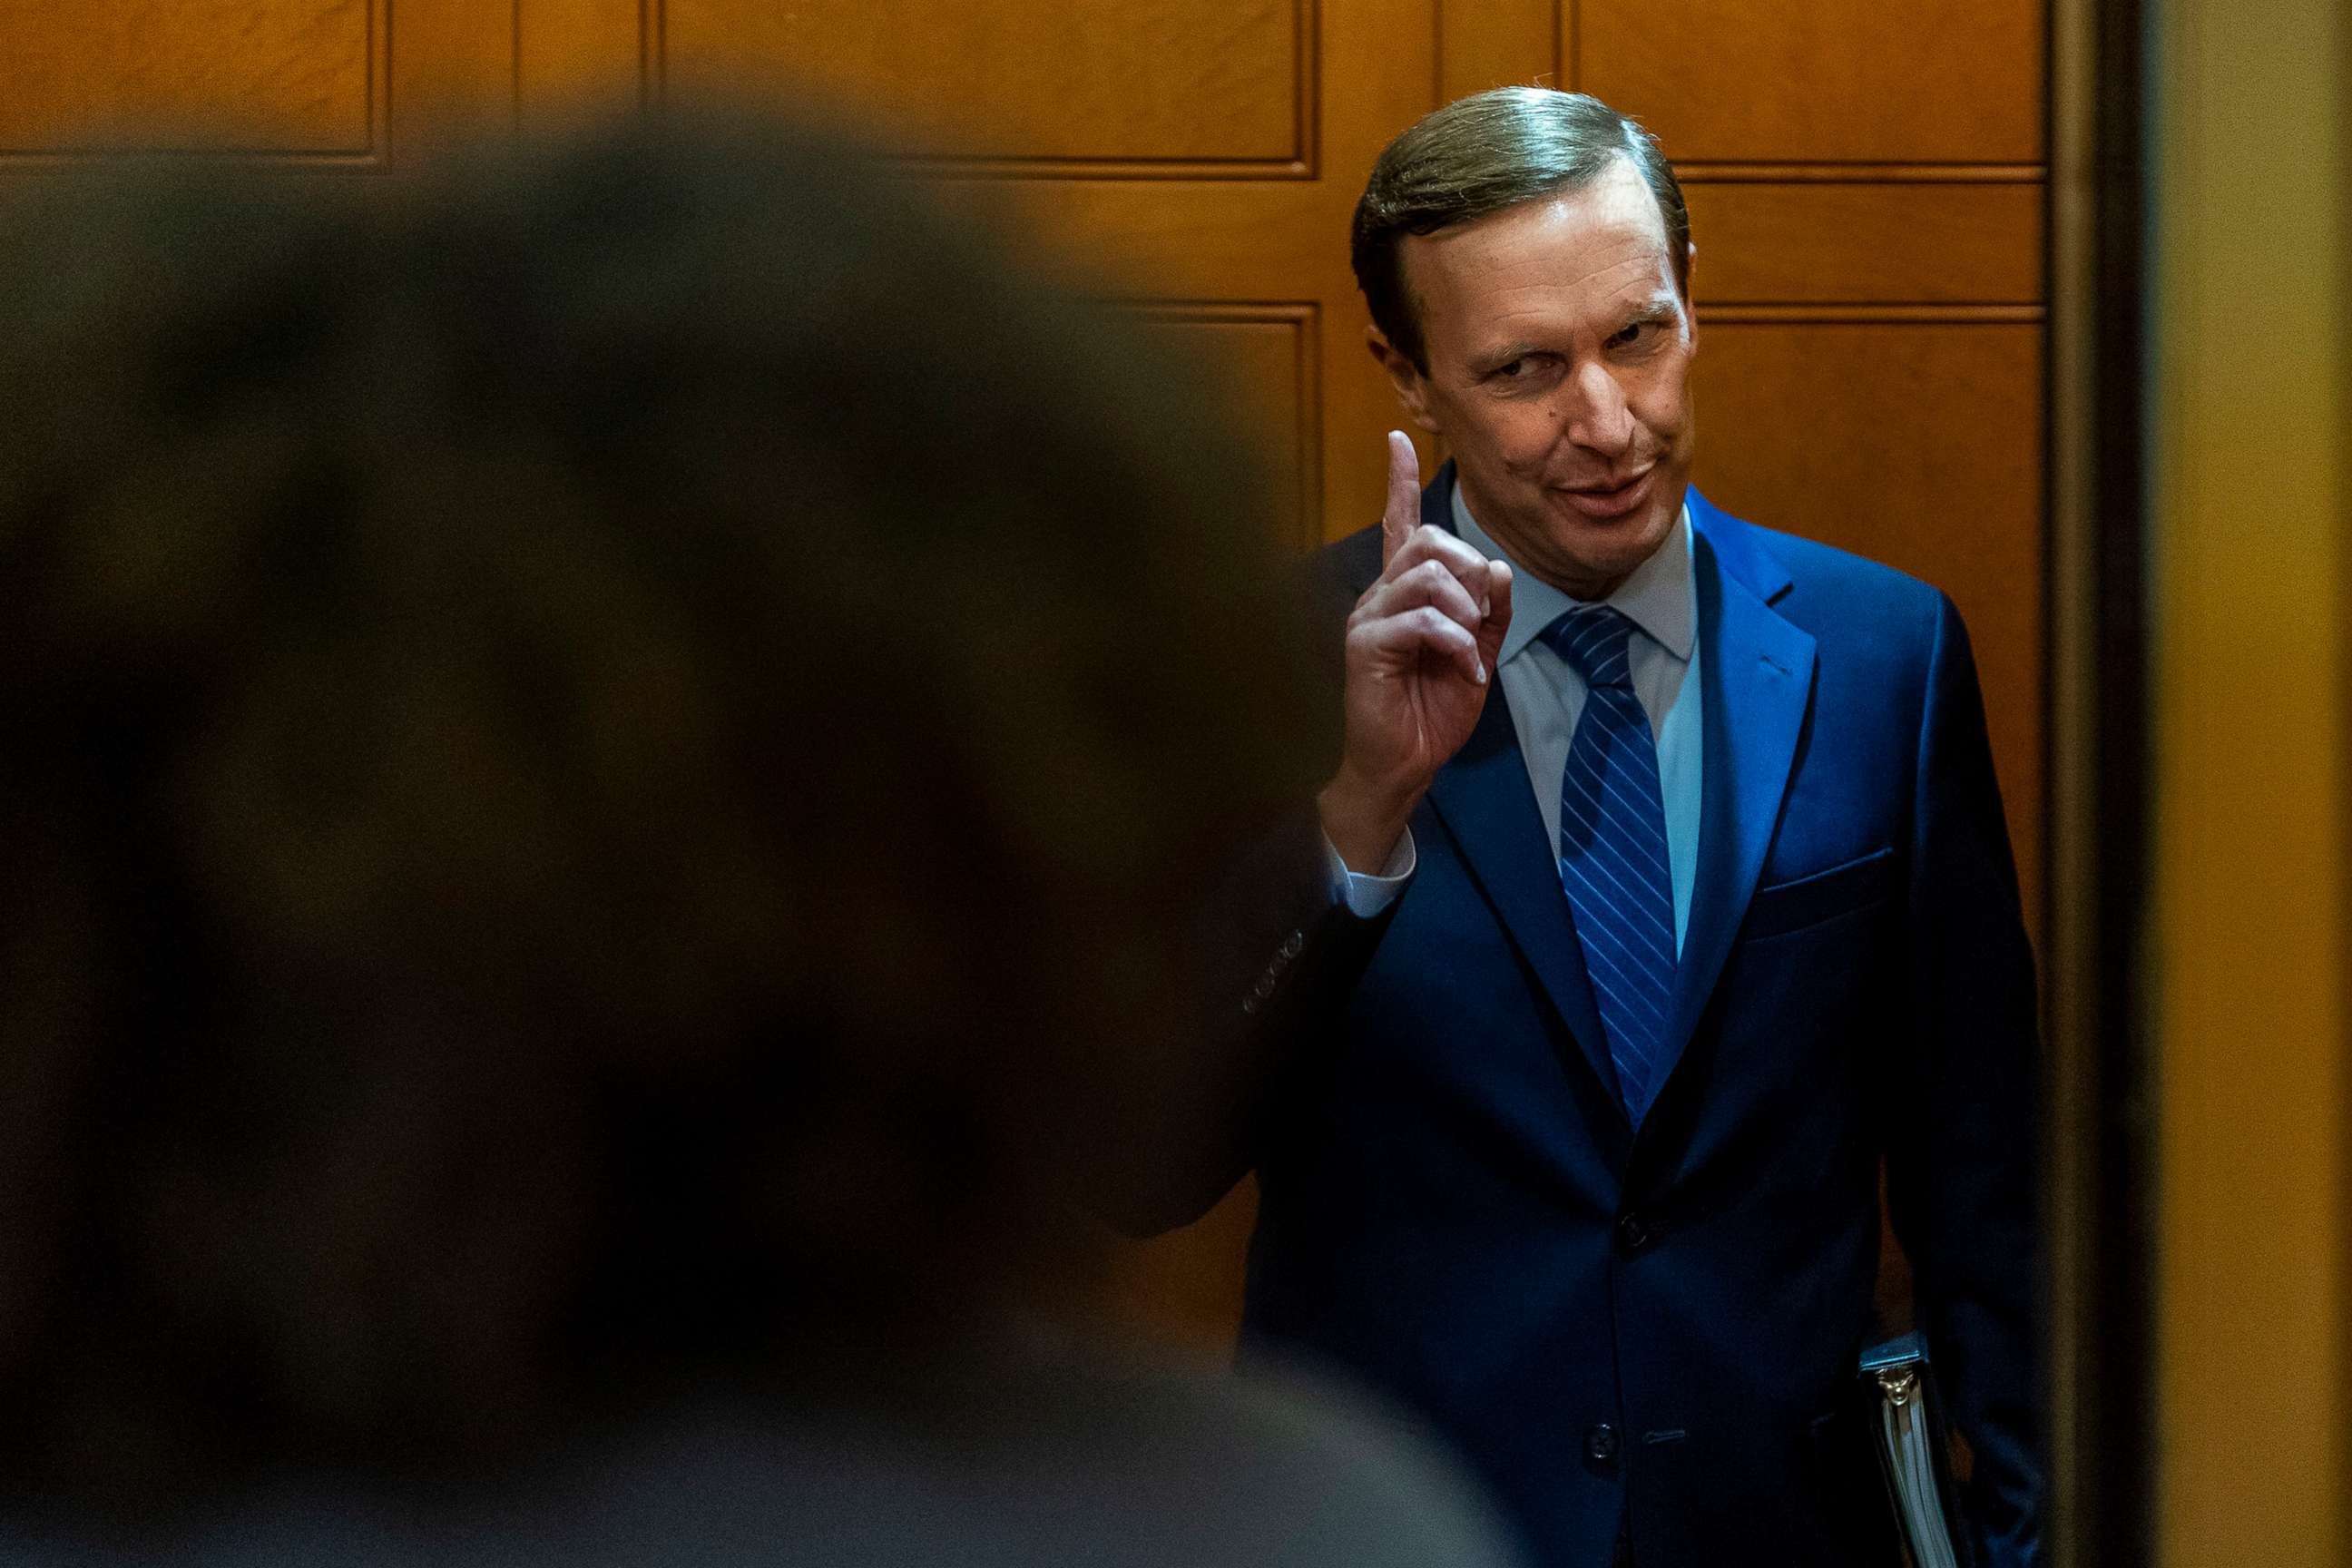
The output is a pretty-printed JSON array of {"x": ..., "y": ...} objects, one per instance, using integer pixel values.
[
  {"x": 1496, "y": 358},
  {"x": 1659, "y": 310}
]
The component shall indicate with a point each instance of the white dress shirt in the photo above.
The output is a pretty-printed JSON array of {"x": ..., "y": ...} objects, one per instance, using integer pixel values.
[{"x": 1546, "y": 697}]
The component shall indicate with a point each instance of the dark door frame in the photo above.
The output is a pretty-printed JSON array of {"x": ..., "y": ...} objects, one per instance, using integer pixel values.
[{"x": 2100, "y": 1118}]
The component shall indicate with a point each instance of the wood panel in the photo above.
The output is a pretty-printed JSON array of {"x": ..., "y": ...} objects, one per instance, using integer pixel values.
[
  {"x": 1874, "y": 243},
  {"x": 570, "y": 53},
  {"x": 1917, "y": 445},
  {"x": 292, "y": 77},
  {"x": 1243, "y": 243},
  {"x": 1176, "y": 87},
  {"x": 1498, "y": 42},
  {"x": 464, "y": 66},
  {"x": 1840, "y": 81},
  {"x": 454, "y": 72},
  {"x": 1266, "y": 360}
]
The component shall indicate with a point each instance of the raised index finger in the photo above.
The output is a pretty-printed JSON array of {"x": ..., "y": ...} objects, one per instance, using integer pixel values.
[{"x": 1404, "y": 496}]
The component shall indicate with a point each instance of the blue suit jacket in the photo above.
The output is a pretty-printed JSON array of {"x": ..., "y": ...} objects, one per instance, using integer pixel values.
[{"x": 1656, "y": 1329}]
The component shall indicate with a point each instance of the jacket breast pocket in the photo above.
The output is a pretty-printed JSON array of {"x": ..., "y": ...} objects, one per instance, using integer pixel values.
[{"x": 1809, "y": 900}]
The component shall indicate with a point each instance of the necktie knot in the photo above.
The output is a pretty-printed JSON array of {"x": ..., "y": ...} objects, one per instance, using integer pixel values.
[{"x": 1594, "y": 639}]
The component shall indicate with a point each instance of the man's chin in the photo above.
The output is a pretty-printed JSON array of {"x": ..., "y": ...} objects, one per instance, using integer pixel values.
[
  {"x": 1604, "y": 552},
  {"x": 1583, "y": 556}
]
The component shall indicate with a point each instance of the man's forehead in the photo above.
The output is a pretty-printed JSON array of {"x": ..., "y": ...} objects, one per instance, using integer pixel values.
[
  {"x": 1590, "y": 224},
  {"x": 1618, "y": 196},
  {"x": 1608, "y": 246}
]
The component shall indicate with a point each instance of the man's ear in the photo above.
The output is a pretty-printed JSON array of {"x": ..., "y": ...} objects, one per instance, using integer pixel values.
[{"x": 1412, "y": 387}]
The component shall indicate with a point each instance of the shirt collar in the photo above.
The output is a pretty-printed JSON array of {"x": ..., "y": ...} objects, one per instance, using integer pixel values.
[{"x": 1660, "y": 597}]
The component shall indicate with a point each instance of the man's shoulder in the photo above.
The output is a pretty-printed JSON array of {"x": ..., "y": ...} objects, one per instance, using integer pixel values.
[{"x": 1820, "y": 586}]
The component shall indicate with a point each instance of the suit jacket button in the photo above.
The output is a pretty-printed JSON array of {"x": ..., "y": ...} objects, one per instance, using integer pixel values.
[
  {"x": 1633, "y": 1233},
  {"x": 1600, "y": 1444},
  {"x": 1293, "y": 943}
]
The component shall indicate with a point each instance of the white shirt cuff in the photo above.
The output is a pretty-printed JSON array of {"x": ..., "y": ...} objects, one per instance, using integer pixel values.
[{"x": 1367, "y": 893}]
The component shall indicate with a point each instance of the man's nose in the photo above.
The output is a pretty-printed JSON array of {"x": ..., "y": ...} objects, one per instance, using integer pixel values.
[{"x": 1595, "y": 413}]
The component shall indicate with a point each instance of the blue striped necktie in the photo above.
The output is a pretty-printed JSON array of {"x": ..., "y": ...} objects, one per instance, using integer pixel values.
[{"x": 1612, "y": 848}]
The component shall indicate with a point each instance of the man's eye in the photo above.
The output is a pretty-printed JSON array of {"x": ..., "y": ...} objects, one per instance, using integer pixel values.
[
  {"x": 1511, "y": 370},
  {"x": 1626, "y": 337}
]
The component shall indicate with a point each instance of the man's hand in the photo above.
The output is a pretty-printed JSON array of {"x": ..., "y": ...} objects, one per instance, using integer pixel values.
[{"x": 1421, "y": 646}]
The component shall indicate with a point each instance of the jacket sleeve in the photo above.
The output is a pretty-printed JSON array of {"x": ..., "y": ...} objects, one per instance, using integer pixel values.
[{"x": 1962, "y": 1181}]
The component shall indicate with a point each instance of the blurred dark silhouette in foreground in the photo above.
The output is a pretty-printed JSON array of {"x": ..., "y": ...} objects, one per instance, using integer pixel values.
[{"x": 606, "y": 750}]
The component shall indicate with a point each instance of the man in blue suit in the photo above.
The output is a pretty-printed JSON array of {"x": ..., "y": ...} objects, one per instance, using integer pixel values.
[{"x": 1569, "y": 1086}]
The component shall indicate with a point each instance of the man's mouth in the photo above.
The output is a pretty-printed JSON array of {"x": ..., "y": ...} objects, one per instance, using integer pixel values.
[{"x": 1612, "y": 499}]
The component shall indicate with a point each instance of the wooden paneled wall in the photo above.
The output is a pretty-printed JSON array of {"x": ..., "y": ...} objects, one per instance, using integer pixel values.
[
  {"x": 300, "y": 81},
  {"x": 1864, "y": 179}
]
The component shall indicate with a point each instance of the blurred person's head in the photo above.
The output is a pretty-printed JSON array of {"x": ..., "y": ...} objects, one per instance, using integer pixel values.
[
  {"x": 602, "y": 748},
  {"x": 1526, "y": 258}
]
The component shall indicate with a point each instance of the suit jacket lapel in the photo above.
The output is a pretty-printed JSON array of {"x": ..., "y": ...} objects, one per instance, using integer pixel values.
[
  {"x": 1757, "y": 673},
  {"x": 1483, "y": 798}
]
